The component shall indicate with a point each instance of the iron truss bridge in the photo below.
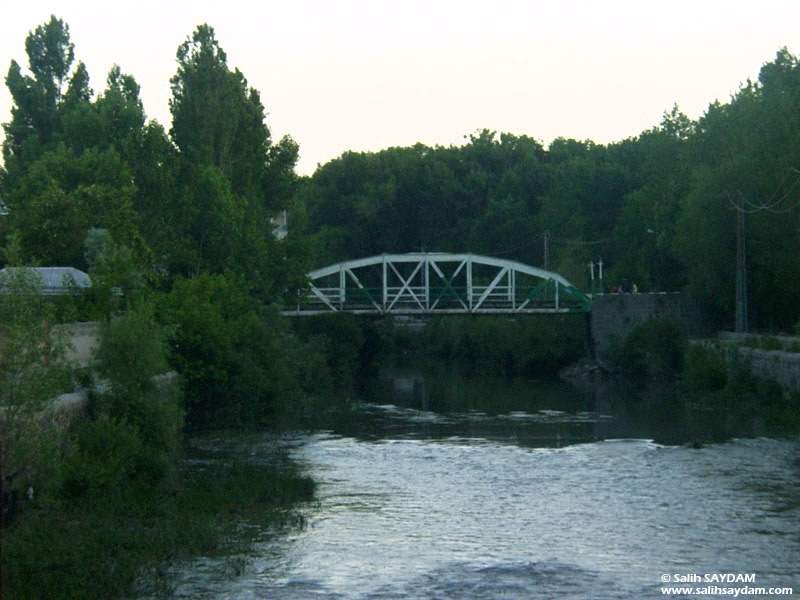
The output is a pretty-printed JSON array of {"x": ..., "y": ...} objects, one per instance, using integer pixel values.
[{"x": 437, "y": 283}]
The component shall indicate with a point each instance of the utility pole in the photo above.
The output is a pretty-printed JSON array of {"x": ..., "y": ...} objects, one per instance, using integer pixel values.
[
  {"x": 599, "y": 265},
  {"x": 740, "y": 312},
  {"x": 600, "y": 273},
  {"x": 741, "y": 274},
  {"x": 546, "y": 239}
]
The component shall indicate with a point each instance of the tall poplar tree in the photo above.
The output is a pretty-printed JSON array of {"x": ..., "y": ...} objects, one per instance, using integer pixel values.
[
  {"x": 65, "y": 154},
  {"x": 41, "y": 97},
  {"x": 232, "y": 177}
]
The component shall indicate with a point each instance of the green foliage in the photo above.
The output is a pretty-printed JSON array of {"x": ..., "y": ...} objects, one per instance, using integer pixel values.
[
  {"x": 32, "y": 372},
  {"x": 32, "y": 350},
  {"x": 65, "y": 155},
  {"x": 131, "y": 353},
  {"x": 767, "y": 342},
  {"x": 654, "y": 349},
  {"x": 532, "y": 346},
  {"x": 225, "y": 180},
  {"x": 210, "y": 316},
  {"x": 115, "y": 271},
  {"x": 240, "y": 363},
  {"x": 38, "y": 98},
  {"x": 63, "y": 195},
  {"x": 217, "y": 119},
  {"x": 341, "y": 338},
  {"x": 705, "y": 369},
  {"x": 115, "y": 119},
  {"x": 116, "y": 540},
  {"x": 746, "y": 395},
  {"x": 246, "y": 483},
  {"x": 404, "y": 199},
  {"x": 104, "y": 455}
]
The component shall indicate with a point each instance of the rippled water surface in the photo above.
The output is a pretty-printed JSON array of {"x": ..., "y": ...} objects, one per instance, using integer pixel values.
[{"x": 523, "y": 502}]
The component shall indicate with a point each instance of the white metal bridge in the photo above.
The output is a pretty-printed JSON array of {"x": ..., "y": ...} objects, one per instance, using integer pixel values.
[{"x": 437, "y": 283}]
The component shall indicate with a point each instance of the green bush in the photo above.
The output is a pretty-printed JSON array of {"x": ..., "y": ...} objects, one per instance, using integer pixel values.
[
  {"x": 768, "y": 342},
  {"x": 655, "y": 348},
  {"x": 705, "y": 369},
  {"x": 528, "y": 345},
  {"x": 114, "y": 535},
  {"x": 132, "y": 350},
  {"x": 104, "y": 454},
  {"x": 33, "y": 371},
  {"x": 240, "y": 362},
  {"x": 342, "y": 339}
]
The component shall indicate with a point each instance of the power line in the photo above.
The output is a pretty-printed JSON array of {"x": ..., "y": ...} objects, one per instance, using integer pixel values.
[
  {"x": 561, "y": 240},
  {"x": 770, "y": 206},
  {"x": 548, "y": 236},
  {"x": 533, "y": 239}
]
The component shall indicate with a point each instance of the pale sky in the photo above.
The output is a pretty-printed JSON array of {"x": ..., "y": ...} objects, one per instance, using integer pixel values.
[{"x": 366, "y": 75}]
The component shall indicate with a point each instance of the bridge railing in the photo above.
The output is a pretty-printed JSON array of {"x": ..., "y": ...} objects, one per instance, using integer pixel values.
[{"x": 442, "y": 299}]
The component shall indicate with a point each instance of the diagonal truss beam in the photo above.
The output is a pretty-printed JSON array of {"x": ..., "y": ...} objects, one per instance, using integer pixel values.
[
  {"x": 365, "y": 290},
  {"x": 406, "y": 285},
  {"x": 503, "y": 272},
  {"x": 382, "y": 288},
  {"x": 324, "y": 298},
  {"x": 448, "y": 284}
]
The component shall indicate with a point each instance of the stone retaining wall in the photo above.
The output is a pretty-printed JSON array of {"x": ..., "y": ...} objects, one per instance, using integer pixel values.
[
  {"x": 66, "y": 408},
  {"x": 83, "y": 339},
  {"x": 779, "y": 366}
]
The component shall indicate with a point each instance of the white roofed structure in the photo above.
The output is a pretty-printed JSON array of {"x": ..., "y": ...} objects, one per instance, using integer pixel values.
[{"x": 53, "y": 281}]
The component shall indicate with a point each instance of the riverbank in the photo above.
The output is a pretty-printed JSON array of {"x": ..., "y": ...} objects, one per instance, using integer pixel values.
[
  {"x": 774, "y": 358},
  {"x": 711, "y": 381},
  {"x": 102, "y": 505},
  {"x": 121, "y": 541}
]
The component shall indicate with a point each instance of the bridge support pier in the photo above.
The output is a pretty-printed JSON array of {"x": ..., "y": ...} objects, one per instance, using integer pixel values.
[
  {"x": 588, "y": 336},
  {"x": 617, "y": 315}
]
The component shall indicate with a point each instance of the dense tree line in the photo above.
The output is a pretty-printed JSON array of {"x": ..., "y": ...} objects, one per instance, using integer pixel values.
[
  {"x": 197, "y": 198},
  {"x": 659, "y": 209},
  {"x": 181, "y": 216}
]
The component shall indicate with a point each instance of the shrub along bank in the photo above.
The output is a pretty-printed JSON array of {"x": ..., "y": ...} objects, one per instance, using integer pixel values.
[
  {"x": 530, "y": 345},
  {"x": 710, "y": 380},
  {"x": 103, "y": 507},
  {"x": 659, "y": 349}
]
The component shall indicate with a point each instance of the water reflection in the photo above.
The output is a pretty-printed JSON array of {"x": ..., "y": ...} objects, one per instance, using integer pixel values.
[{"x": 450, "y": 401}]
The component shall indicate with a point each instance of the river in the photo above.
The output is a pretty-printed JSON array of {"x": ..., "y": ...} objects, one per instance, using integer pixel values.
[{"x": 440, "y": 485}]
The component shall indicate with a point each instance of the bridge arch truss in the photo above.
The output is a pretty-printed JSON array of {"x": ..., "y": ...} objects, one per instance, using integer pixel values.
[{"x": 437, "y": 283}]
